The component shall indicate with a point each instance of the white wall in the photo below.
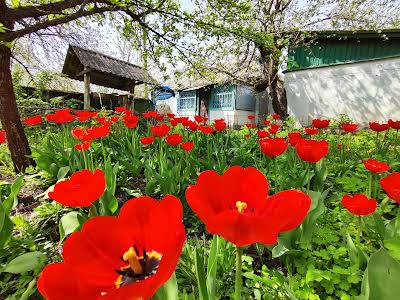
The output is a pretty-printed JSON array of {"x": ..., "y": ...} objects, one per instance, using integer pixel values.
[
  {"x": 169, "y": 105},
  {"x": 365, "y": 91},
  {"x": 232, "y": 117}
]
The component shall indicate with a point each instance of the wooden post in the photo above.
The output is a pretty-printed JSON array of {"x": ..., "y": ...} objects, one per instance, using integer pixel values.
[
  {"x": 86, "y": 82},
  {"x": 132, "y": 96}
]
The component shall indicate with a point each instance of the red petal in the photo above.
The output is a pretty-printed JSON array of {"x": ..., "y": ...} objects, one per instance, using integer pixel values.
[{"x": 287, "y": 209}]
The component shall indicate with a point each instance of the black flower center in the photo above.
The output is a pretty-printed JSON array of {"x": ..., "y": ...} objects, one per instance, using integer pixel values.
[{"x": 138, "y": 267}]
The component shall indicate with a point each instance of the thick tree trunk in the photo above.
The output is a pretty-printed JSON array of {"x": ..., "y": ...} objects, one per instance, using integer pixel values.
[
  {"x": 9, "y": 116},
  {"x": 271, "y": 81}
]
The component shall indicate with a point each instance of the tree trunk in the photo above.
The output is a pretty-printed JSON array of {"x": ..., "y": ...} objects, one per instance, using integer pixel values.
[
  {"x": 271, "y": 81},
  {"x": 9, "y": 116}
]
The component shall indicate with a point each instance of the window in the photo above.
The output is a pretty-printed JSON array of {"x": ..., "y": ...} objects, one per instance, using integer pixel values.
[
  {"x": 187, "y": 100},
  {"x": 222, "y": 100}
]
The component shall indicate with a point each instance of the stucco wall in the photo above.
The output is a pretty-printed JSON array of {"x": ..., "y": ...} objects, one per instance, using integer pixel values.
[
  {"x": 169, "y": 105},
  {"x": 232, "y": 117},
  {"x": 364, "y": 91}
]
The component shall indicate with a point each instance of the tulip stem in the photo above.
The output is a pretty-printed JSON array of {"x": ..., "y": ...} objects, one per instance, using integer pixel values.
[
  {"x": 238, "y": 278},
  {"x": 370, "y": 185}
]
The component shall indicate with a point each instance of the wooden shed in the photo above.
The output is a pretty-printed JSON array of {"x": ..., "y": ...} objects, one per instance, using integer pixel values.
[{"x": 94, "y": 67}]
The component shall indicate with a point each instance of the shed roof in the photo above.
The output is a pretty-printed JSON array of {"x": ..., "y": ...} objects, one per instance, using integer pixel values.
[{"x": 104, "y": 70}]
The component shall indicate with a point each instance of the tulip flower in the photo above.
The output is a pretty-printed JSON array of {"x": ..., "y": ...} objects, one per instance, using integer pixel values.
[
  {"x": 2, "y": 136},
  {"x": 320, "y": 124},
  {"x": 131, "y": 121},
  {"x": 160, "y": 130},
  {"x": 174, "y": 139},
  {"x": 378, "y": 127},
  {"x": 124, "y": 257},
  {"x": 391, "y": 185},
  {"x": 376, "y": 166},
  {"x": 273, "y": 146},
  {"x": 311, "y": 131},
  {"x": 81, "y": 190},
  {"x": 147, "y": 140},
  {"x": 34, "y": 120},
  {"x": 359, "y": 204},
  {"x": 187, "y": 146},
  {"x": 349, "y": 127},
  {"x": 312, "y": 150}
]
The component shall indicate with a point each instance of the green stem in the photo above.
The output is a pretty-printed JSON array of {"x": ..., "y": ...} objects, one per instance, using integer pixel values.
[
  {"x": 359, "y": 231},
  {"x": 370, "y": 185},
  {"x": 238, "y": 277},
  {"x": 276, "y": 175},
  {"x": 308, "y": 177}
]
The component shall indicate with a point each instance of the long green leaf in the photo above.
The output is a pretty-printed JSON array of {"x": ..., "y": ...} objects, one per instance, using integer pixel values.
[
  {"x": 200, "y": 275},
  {"x": 212, "y": 267}
]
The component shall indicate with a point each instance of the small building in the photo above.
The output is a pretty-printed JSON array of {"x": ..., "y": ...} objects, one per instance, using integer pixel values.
[
  {"x": 164, "y": 99},
  {"x": 351, "y": 73},
  {"x": 231, "y": 101},
  {"x": 97, "y": 68}
]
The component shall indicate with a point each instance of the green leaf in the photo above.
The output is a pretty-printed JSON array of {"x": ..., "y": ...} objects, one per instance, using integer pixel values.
[
  {"x": 69, "y": 223},
  {"x": 279, "y": 250},
  {"x": 6, "y": 231},
  {"x": 62, "y": 172},
  {"x": 382, "y": 281},
  {"x": 169, "y": 291},
  {"x": 25, "y": 262},
  {"x": 392, "y": 229},
  {"x": 12, "y": 200},
  {"x": 212, "y": 267},
  {"x": 200, "y": 275},
  {"x": 393, "y": 245}
]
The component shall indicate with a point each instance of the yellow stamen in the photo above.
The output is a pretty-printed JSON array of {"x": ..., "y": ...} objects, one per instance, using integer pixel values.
[
  {"x": 118, "y": 282},
  {"x": 241, "y": 206},
  {"x": 131, "y": 257},
  {"x": 154, "y": 254}
]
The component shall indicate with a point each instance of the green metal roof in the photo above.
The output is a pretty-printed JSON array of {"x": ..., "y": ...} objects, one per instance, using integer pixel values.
[{"x": 331, "y": 48}]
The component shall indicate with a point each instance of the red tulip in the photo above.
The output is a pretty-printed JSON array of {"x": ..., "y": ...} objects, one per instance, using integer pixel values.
[
  {"x": 273, "y": 147},
  {"x": 149, "y": 114},
  {"x": 192, "y": 125},
  {"x": 391, "y": 185},
  {"x": 219, "y": 125},
  {"x": 97, "y": 132},
  {"x": 294, "y": 138},
  {"x": 187, "y": 146},
  {"x": 275, "y": 116},
  {"x": 375, "y": 126},
  {"x": 159, "y": 117},
  {"x": 311, "y": 131},
  {"x": 236, "y": 206},
  {"x": 124, "y": 257},
  {"x": 81, "y": 190},
  {"x": 114, "y": 119},
  {"x": 173, "y": 122},
  {"x": 101, "y": 120},
  {"x": 60, "y": 117},
  {"x": 63, "y": 111},
  {"x": 251, "y": 117},
  {"x": 131, "y": 121},
  {"x": 148, "y": 140},
  {"x": 170, "y": 115},
  {"x": 34, "y": 120},
  {"x": 80, "y": 134},
  {"x": 84, "y": 115},
  {"x": 174, "y": 139},
  {"x": 120, "y": 109},
  {"x": 394, "y": 124},
  {"x": 247, "y": 135},
  {"x": 359, "y": 204},
  {"x": 199, "y": 119},
  {"x": 312, "y": 150},
  {"x": 262, "y": 134},
  {"x": 160, "y": 130},
  {"x": 376, "y": 166},
  {"x": 249, "y": 125},
  {"x": 2, "y": 136},
  {"x": 349, "y": 127},
  {"x": 320, "y": 124},
  {"x": 267, "y": 122},
  {"x": 83, "y": 146},
  {"x": 273, "y": 129},
  {"x": 206, "y": 129}
]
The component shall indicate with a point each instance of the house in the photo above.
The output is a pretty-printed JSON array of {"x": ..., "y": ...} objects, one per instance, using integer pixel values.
[
  {"x": 165, "y": 100},
  {"x": 231, "y": 101},
  {"x": 97, "y": 68},
  {"x": 351, "y": 73}
]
